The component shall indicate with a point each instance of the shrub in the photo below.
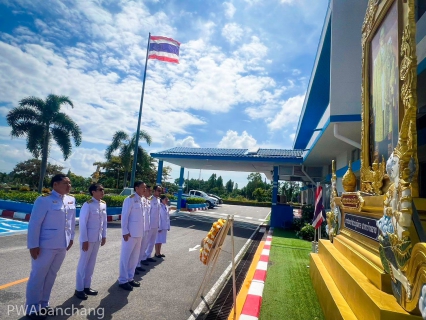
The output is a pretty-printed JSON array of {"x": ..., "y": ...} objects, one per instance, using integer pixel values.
[
  {"x": 297, "y": 224},
  {"x": 24, "y": 188},
  {"x": 307, "y": 232},
  {"x": 45, "y": 190},
  {"x": 114, "y": 201},
  {"x": 171, "y": 197},
  {"x": 193, "y": 200},
  {"x": 307, "y": 212}
]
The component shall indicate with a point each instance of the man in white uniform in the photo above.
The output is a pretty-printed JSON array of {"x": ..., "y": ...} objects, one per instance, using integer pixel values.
[
  {"x": 50, "y": 235},
  {"x": 93, "y": 228},
  {"x": 132, "y": 229},
  {"x": 154, "y": 222}
]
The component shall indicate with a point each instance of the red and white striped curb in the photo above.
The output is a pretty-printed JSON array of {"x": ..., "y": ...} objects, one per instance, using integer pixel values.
[
  {"x": 251, "y": 308},
  {"x": 114, "y": 217},
  {"x": 15, "y": 215},
  {"x": 197, "y": 209}
]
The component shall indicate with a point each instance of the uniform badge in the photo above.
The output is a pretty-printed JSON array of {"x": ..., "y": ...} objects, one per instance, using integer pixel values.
[{"x": 71, "y": 202}]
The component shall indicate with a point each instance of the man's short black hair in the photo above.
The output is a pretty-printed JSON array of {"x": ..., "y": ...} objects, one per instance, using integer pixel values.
[
  {"x": 148, "y": 186},
  {"x": 163, "y": 196},
  {"x": 137, "y": 184},
  {"x": 94, "y": 187},
  {"x": 156, "y": 187},
  {"x": 57, "y": 178}
]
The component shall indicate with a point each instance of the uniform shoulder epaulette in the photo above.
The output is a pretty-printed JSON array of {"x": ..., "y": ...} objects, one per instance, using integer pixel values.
[
  {"x": 102, "y": 201},
  {"x": 150, "y": 198},
  {"x": 90, "y": 201},
  {"x": 46, "y": 194},
  {"x": 132, "y": 196}
]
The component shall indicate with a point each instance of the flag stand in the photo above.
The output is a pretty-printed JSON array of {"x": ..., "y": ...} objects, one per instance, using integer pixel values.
[{"x": 211, "y": 263}]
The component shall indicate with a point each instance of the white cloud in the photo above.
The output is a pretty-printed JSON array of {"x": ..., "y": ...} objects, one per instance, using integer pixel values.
[
  {"x": 232, "y": 32},
  {"x": 233, "y": 140},
  {"x": 286, "y": 1},
  {"x": 289, "y": 113},
  {"x": 170, "y": 142},
  {"x": 229, "y": 10}
]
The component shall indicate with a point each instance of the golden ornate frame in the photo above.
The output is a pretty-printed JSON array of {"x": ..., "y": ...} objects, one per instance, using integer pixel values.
[{"x": 407, "y": 70}]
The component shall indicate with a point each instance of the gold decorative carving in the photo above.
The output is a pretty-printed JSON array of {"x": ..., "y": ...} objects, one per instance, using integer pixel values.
[
  {"x": 333, "y": 216},
  {"x": 352, "y": 201},
  {"x": 349, "y": 179},
  {"x": 373, "y": 177}
]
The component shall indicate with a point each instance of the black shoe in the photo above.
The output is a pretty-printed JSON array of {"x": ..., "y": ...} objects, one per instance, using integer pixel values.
[
  {"x": 134, "y": 283},
  {"x": 80, "y": 294},
  {"x": 140, "y": 269},
  {"x": 90, "y": 292},
  {"x": 144, "y": 262},
  {"x": 136, "y": 271},
  {"x": 36, "y": 316},
  {"x": 162, "y": 255},
  {"x": 159, "y": 256},
  {"x": 151, "y": 260},
  {"x": 126, "y": 286}
]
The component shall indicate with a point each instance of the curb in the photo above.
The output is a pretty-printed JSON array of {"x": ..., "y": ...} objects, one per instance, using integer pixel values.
[
  {"x": 253, "y": 301},
  {"x": 15, "y": 215}
]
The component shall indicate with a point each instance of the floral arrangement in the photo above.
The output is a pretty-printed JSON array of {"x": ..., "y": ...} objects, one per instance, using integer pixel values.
[{"x": 207, "y": 242}]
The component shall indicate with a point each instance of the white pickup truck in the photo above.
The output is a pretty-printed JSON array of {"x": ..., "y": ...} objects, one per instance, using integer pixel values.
[{"x": 210, "y": 201}]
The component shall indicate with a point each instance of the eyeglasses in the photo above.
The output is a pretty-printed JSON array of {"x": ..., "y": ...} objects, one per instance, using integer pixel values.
[{"x": 101, "y": 189}]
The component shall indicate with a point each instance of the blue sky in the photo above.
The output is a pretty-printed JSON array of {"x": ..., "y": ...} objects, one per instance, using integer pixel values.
[{"x": 243, "y": 72}]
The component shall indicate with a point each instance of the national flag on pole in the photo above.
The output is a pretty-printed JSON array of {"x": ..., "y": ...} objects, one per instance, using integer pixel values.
[
  {"x": 164, "y": 49},
  {"x": 318, "y": 218}
]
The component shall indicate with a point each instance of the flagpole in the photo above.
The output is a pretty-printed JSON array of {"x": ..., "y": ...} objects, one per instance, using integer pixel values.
[{"x": 135, "y": 153}]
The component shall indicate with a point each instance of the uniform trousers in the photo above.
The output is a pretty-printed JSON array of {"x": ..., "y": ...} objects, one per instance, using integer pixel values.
[
  {"x": 148, "y": 242},
  {"x": 86, "y": 265},
  {"x": 42, "y": 277},
  {"x": 129, "y": 258}
]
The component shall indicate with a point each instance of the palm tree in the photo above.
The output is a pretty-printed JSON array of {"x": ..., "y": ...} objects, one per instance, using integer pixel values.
[
  {"x": 41, "y": 120},
  {"x": 121, "y": 141}
]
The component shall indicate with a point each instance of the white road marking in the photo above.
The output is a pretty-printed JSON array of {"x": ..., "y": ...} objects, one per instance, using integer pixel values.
[{"x": 195, "y": 248}]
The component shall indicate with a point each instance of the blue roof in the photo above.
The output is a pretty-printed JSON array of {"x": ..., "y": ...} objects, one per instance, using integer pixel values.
[{"x": 229, "y": 153}]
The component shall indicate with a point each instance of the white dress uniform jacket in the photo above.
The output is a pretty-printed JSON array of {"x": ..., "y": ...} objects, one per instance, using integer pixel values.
[
  {"x": 93, "y": 227},
  {"x": 154, "y": 222},
  {"x": 52, "y": 222},
  {"x": 164, "y": 224},
  {"x": 132, "y": 221},
  {"x": 93, "y": 221},
  {"x": 51, "y": 228}
]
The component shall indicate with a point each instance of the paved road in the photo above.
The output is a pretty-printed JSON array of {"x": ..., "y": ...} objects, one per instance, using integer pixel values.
[{"x": 168, "y": 286}]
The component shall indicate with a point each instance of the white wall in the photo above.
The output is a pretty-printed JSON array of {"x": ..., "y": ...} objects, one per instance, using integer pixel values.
[{"x": 345, "y": 74}]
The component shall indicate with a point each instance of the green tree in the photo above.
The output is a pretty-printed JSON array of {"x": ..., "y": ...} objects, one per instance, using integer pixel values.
[
  {"x": 29, "y": 171},
  {"x": 211, "y": 182},
  {"x": 40, "y": 121},
  {"x": 125, "y": 145},
  {"x": 229, "y": 186},
  {"x": 219, "y": 185}
]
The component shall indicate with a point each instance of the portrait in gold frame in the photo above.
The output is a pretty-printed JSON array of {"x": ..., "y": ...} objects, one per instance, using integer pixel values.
[{"x": 394, "y": 20}]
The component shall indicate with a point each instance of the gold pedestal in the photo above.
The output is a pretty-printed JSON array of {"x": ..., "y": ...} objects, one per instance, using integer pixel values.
[{"x": 351, "y": 286}]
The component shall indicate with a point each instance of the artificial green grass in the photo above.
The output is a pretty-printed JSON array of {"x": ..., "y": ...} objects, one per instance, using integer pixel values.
[{"x": 288, "y": 292}]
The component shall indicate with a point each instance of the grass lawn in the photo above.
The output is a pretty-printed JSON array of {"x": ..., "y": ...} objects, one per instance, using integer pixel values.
[{"x": 288, "y": 291}]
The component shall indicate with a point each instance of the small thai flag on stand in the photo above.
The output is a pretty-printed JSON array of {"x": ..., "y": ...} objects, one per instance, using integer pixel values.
[
  {"x": 164, "y": 49},
  {"x": 318, "y": 218}
]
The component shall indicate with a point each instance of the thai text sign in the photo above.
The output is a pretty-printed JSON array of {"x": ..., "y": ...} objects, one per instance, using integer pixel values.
[{"x": 365, "y": 226}]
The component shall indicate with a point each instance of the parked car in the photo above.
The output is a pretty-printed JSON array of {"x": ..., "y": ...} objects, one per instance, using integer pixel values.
[
  {"x": 210, "y": 201},
  {"x": 219, "y": 199},
  {"x": 127, "y": 192}
]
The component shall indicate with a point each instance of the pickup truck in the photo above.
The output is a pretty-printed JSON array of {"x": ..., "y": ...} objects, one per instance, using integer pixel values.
[{"x": 211, "y": 202}]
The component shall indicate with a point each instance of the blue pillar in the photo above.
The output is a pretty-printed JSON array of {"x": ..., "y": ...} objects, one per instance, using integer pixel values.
[
  {"x": 274, "y": 187},
  {"x": 160, "y": 172},
  {"x": 180, "y": 189}
]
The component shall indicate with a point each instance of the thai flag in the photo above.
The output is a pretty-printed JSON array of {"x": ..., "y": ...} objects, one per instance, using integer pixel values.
[
  {"x": 164, "y": 49},
  {"x": 318, "y": 218}
]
